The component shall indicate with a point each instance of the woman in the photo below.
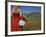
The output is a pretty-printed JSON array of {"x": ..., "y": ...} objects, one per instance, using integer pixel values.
[{"x": 15, "y": 20}]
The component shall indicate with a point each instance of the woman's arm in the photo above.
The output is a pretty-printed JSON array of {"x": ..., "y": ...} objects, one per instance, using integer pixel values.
[{"x": 23, "y": 18}]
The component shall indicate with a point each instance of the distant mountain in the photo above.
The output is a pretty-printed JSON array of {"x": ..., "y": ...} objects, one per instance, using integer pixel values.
[{"x": 32, "y": 13}]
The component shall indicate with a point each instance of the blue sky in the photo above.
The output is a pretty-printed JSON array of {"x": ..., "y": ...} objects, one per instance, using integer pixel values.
[{"x": 28, "y": 9}]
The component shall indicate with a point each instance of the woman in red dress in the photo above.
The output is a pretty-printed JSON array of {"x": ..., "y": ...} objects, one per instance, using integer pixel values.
[{"x": 15, "y": 20}]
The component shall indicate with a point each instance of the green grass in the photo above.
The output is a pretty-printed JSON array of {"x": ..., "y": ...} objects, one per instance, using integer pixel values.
[{"x": 33, "y": 23}]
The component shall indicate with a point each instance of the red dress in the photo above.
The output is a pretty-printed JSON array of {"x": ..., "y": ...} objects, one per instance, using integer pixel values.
[{"x": 15, "y": 22}]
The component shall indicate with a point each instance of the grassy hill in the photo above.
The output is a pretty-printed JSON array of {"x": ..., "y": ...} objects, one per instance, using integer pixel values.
[{"x": 33, "y": 21}]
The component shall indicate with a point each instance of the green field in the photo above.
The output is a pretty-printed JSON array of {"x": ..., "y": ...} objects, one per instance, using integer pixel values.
[{"x": 33, "y": 23}]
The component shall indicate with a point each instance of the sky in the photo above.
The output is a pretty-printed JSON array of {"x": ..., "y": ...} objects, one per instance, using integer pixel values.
[{"x": 28, "y": 9}]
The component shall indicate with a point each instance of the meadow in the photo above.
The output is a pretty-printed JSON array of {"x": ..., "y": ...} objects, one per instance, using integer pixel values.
[{"x": 33, "y": 22}]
